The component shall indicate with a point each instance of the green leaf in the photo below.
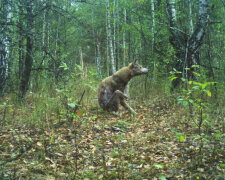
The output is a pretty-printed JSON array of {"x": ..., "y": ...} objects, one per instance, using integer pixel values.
[
  {"x": 191, "y": 101},
  {"x": 59, "y": 90},
  {"x": 180, "y": 138},
  {"x": 197, "y": 74},
  {"x": 195, "y": 66},
  {"x": 171, "y": 78},
  {"x": 195, "y": 87},
  {"x": 159, "y": 166},
  {"x": 64, "y": 66},
  {"x": 174, "y": 130},
  {"x": 72, "y": 105},
  {"x": 185, "y": 103},
  {"x": 79, "y": 67},
  {"x": 208, "y": 93},
  {"x": 222, "y": 165},
  {"x": 162, "y": 177},
  {"x": 183, "y": 79}
]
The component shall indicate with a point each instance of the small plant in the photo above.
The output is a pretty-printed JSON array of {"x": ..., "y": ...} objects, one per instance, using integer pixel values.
[
  {"x": 180, "y": 136},
  {"x": 194, "y": 95}
]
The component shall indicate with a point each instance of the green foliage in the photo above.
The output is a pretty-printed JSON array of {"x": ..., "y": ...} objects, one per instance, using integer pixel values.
[
  {"x": 180, "y": 136},
  {"x": 194, "y": 95}
]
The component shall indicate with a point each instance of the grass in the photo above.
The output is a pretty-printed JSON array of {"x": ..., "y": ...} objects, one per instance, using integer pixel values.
[{"x": 39, "y": 140}]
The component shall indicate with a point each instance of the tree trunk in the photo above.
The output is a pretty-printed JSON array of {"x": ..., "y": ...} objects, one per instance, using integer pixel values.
[
  {"x": 153, "y": 38},
  {"x": 4, "y": 48},
  {"x": 191, "y": 28},
  {"x": 124, "y": 49},
  {"x": 110, "y": 37},
  {"x": 21, "y": 43},
  {"x": 114, "y": 32},
  {"x": 29, "y": 48},
  {"x": 98, "y": 59},
  {"x": 118, "y": 35},
  {"x": 124, "y": 37},
  {"x": 187, "y": 47},
  {"x": 107, "y": 46},
  {"x": 81, "y": 62}
]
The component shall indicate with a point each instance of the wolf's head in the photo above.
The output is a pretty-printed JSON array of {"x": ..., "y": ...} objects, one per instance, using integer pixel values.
[{"x": 136, "y": 69}]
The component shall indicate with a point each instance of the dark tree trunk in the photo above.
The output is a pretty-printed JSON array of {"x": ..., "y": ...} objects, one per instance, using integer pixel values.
[
  {"x": 21, "y": 43},
  {"x": 28, "y": 59}
]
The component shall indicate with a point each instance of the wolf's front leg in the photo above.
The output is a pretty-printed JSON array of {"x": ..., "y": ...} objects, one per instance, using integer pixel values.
[{"x": 126, "y": 106}]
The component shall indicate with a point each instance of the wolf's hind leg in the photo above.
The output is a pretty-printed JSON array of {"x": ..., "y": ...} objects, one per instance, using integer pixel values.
[{"x": 114, "y": 101}]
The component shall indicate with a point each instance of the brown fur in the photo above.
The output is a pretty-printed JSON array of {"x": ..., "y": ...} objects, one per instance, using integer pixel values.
[{"x": 111, "y": 90}]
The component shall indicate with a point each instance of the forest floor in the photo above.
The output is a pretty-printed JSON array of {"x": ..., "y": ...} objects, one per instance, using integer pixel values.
[{"x": 158, "y": 143}]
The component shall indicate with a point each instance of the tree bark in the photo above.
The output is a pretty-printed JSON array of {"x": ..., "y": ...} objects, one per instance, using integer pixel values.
[
  {"x": 98, "y": 59},
  {"x": 107, "y": 46},
  {"x": 110, "y": 37},
  {"x": 21, "y": 43},
  {"x": 81, "y": 62},
  {"x": 191, "y": 28},
  {"x": 187, "y": 47},
  {"x": 4, "y": 48},
  {"x": 124, "y": 37},
  {"x": 127, "y": 89},
  {"x": 29, "y": 48},
  {"x": 153, "y": 38}
]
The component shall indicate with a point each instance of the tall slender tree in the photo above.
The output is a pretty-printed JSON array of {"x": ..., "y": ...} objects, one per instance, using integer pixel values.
[
  {"x": 4, "y": 47},
  {"x": 109, "y": 31}
]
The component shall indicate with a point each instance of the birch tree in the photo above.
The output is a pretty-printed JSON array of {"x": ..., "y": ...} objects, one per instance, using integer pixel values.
[
  {"x": 191, "y": 28},
  {"x": 98, "y": 59},
  {"x": 4, "y": 47},
  {"x": 187, "y": 46},
  {"x": 153, "y": 36},
  {"x": 124, "y": 36},
  {"x": 109, "y": 34},
  {"x": 124, "y": 48}
]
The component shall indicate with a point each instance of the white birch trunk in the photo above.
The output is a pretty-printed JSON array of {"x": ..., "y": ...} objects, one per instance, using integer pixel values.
[
  {"x": 114, "y": 29},
  {"x": 4, "y": 49},
  {"x": 107, "y": 46},
  {"x": 98, "y": 59},
  {"x": 191, "y": 28},
  {"x": 126, "y": 91},
  {"x": 81, "y": 62},
  {"x": 153, "y": 23},
  {"x": 124, "y": 37},
  {"x": 153, "y": 37},
  {"x": 110, "y": 37},
  {"x": 118, "y": 34}
]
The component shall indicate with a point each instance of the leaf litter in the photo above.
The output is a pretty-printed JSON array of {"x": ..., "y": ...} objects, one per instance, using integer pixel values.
[{"x": 100, "y": 145}]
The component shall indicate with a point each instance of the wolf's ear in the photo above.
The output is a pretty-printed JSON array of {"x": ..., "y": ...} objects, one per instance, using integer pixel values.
[
  {"x": 135, "y": 61},
  {"x": 132, "y": 65}
]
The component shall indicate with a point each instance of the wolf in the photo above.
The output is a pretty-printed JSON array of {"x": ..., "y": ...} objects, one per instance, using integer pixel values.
[{"x": 111, "y": 90}]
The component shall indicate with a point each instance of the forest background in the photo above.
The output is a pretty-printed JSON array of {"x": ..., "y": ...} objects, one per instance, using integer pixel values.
[{"x": 54, "y": 54}]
